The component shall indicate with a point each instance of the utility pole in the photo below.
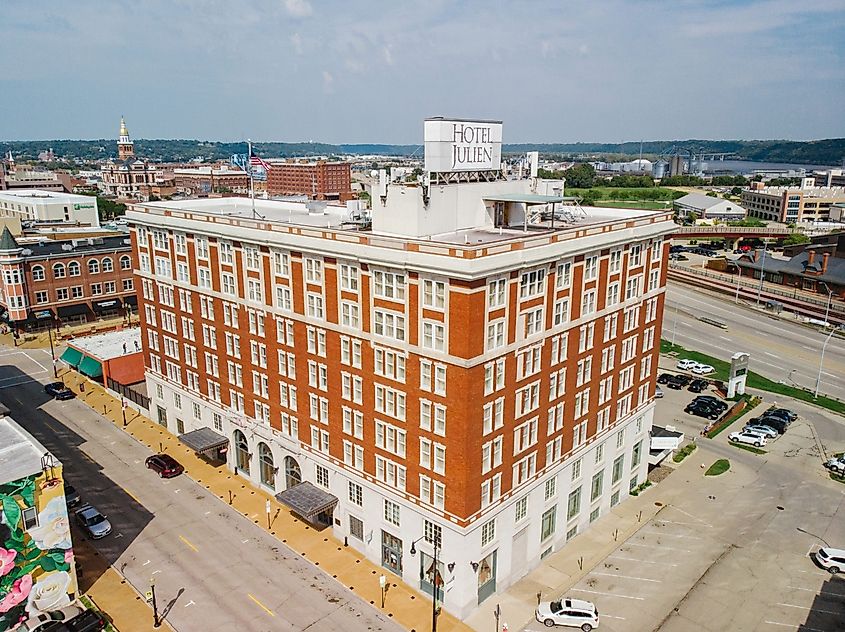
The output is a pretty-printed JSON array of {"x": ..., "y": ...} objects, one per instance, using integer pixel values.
[
  {"x": 762, "y": 272},
  {"x": 821, "y": 360}
]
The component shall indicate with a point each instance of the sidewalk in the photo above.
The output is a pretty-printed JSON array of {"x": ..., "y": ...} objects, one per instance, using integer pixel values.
[
  {"x": 127, "y": 610},
  {"x": 405, "y": 605}
]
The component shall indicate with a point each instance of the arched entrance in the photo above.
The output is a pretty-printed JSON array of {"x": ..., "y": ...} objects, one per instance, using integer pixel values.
[
  {"x": 265, "y": 465},
  {"x": 242, "y": 455},
  {"x": 293, "y": 475}
]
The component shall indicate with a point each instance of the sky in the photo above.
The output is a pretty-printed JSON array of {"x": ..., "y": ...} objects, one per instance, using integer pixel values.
[{"x": 346, "y": 71}]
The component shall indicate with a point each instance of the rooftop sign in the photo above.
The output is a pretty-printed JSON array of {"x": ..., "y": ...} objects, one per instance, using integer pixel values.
[{"x": 462, "y": 145}]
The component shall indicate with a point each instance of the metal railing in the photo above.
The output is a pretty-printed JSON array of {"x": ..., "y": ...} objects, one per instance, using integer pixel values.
[
  {"x": 128, "y": 393},
  {"x": 736, "y": 230}
]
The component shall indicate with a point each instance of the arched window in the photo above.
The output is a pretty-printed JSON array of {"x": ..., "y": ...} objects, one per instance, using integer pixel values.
[
  {"x": 125, "y": 262},
  {"x": 293, "y": 475},
  {"x": 265, "y": 462},
  {"x": 108, "y": 266},
  {"x": 242, "y": 454},
  {"x": 93, "y": 266},
  {"x": 73, "y": 268},
  {"x": 58, "y": 271},
  {"x": 38, "y": 273}
]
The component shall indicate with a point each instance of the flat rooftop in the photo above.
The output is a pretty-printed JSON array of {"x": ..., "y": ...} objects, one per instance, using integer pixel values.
[
  {"x": 112, "y": 344},
  {"x": 20, "y": 452},
  {"x": 35, "y": 195}
]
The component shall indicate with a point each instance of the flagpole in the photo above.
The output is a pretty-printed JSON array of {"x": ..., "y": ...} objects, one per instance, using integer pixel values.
[{"x": 251, "y": 184}]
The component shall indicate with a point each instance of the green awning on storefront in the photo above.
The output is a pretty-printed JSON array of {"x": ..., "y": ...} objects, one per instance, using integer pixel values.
[
  {"x": 90, "y": 367},
  {"x": 71, "y": 357}
]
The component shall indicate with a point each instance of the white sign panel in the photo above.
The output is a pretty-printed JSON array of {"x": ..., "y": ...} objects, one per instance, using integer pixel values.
[{"x": 462, "y": 145}]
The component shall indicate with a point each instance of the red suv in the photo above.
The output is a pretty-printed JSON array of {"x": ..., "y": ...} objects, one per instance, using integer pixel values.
[{"x": 165, "y": 465}]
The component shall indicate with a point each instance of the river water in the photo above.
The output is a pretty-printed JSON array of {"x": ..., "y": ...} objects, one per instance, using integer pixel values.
[{"x": 748, "y": 166}]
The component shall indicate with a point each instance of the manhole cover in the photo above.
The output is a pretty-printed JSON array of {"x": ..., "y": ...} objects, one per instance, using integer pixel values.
[{"x": 658, "y": 504}]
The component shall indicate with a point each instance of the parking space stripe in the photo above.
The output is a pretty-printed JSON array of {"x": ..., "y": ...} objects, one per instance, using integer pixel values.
[
  {"x": 639, "y": 579},
  {"x": 673, "y": 535},
  {"x": 792, "y": 605},
  {"x": 687, "y": 524},
  {"x": 598, "y": 592},
  {"x": 633, "y": 559},
  {"x": 820, "y": 592},
  {"x": 792, "y": 625},
  {"x": 658, "y": 546}
]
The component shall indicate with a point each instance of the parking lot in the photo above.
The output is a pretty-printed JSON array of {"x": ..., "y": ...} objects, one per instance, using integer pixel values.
[{"x": 731, "y": 552}]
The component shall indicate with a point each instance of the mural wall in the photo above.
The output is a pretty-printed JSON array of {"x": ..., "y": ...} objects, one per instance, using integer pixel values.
[{"x": 37, "y": 571}]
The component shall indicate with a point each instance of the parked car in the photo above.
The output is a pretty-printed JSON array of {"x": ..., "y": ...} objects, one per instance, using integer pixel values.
[
  {"x": 71, "y": 495},
  {"x": 41, "y": 620},
  {"x": 682, "y": 379},
  {"x": 703, "y": 410},
  {"x": 663, "y": 378},
  {"x": 674, "y": 249},
  {"x": 711, "y": 401},
  {"x": 58, "y": 390},
  {"x": 702, "y": 369},
  {"x": 775, "y": 422},
  {"x": 698, "y": 385},
  {"x": 766, "y": 431},
  {"x": 686, "y": 364},
  {"x": 784, "y": 413},
  {"x": 658, "y": 392},
  {"x": 763, "y": 431},
  {"x": 675, "y": 383},
  {"x": 681, "y": 258},
  {"x": 832, "y": 560},
  {"x": 749, "y": 438},
  {"x": 573, "y": 613},
  {"x": 93, "y": 522},
  {"x": 87, "y": 621},
  {"x": 836, "y": 464},
  {"x": 165, "y": 465}
]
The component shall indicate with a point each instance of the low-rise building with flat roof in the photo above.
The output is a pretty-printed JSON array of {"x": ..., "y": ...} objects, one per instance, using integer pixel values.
[
  {"x": 706, "y": 207},
  {"x": 37, "y": 205}
]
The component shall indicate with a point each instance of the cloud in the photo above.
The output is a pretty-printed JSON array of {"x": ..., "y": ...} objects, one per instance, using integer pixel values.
[
  {"x": 296, "y": 42},
  {"x": 388, "y": 55},
  {"x": 299, "y": 8},
  {"x": 328, "y": 82}
]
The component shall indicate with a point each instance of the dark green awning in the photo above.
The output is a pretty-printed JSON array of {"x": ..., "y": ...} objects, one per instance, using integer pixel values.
[
  {"x": 90, "y": 367},
  {"x": 71, "y": 357}
]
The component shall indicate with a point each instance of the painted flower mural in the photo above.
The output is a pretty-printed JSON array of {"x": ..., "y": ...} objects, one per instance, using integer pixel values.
[{"x": 36, "y": 563}]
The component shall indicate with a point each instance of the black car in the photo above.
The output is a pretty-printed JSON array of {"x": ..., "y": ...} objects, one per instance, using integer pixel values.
[
  {"x": 712, "y": 401},
  {"x": 675, "y": 382},
  {"x": 774, "y": 422},
  {"x": 58, "y": 390},
  {"x": 71, "y": 495},
  {"x": 682, "y": 379},
  {"x": 701, "y": 409},
  {"x": 697, "y": 385},
  {"x": 784, "y": 413},
  {"x": 88, "y": 621},
  {"x": 674, "y": 249},
  {"x": 681, "y": 258},
  {"x": 664, "y": 378}
]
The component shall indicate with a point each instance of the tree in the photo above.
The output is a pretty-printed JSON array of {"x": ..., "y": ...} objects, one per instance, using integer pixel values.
[
  {"x": 581, "y": 176},
  {"x": 794, "y": 239}
]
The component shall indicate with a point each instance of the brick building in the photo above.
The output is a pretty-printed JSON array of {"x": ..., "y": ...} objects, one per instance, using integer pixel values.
[
  {"x": 320, "y": 180},
  {"x": 201, "y": 181},
  {"x": 128, "y": 177},
  {"x": 805, "y": 203},
  {"x": 45, "y": 282},
  {"x": 477, "y": 370}
]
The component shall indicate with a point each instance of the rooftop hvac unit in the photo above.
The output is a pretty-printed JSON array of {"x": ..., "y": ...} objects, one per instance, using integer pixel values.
[
  {"x": 68, "y": 247},
  {"x": 26, "y": 252},
  {"x": 316, "y": 207}
]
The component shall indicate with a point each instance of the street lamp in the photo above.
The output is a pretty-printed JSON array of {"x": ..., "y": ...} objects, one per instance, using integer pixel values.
[
  {"x": 156, "y": 620},
  {"x": 829, "y": 301},
  {"x": 762, "y": 272},
  {"x": 52, "y": 351},
  {"x": 434, "y": 577},
  {"x": 821, "y": 360}
]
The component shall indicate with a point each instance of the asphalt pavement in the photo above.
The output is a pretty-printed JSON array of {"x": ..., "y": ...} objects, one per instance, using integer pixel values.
[
  {"x": 213, "y": 569},
  {"x": 780, "y": 349}
]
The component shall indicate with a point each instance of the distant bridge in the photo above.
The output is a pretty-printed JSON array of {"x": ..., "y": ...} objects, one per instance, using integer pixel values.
[{"x": 731, "y": 232}]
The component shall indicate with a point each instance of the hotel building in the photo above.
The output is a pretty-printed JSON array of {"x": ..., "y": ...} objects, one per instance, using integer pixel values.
[
  {"x": 473, "y": 366},
  {"x": 319, "y": 180}
]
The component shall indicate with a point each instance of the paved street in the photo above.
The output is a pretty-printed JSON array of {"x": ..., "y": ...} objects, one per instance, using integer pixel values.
[
  {"x": 214, "y": 569},
  {"x": 780, "y": 350}
]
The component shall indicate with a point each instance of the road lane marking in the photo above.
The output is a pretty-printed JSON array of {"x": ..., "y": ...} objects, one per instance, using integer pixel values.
[
  {"x": 639, "y": 579},
  {"x": 188, "y": 543},
  {"x": 145, "y": 563},
  {"x": 190, "y": 603},
  {"x": 792, "y": 605},
  {"x": 598, "y": 592},
  {"x": 634, "y": 559},
  {"x": 154, "y": 572},
  {"x": 262, "y": 606}
]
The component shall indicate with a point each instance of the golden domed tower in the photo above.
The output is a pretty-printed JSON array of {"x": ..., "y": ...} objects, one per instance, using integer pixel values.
[{"x": 125, "y": 147}]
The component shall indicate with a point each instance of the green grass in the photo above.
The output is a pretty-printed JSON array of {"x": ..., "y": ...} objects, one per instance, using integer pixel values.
[
  {"x": 640, "y": 204},
  {"x": 629, "y": 193},
  {"x": 684, "y": 452},
  {"x": 836, "y": 477},
  {"x": 719, "y": 467},
  {"x": 750, "y": 448},
  {"x": 755, "y": 380}
]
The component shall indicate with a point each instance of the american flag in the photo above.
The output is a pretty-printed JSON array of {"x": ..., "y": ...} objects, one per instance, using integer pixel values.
[{"x": 257, "y": 161}]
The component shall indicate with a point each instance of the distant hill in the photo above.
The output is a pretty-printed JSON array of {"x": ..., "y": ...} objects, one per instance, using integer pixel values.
[{"x": 818, "y": 152}]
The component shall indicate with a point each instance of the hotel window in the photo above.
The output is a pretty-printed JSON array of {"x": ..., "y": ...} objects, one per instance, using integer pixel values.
[
  {"x": 144, "y": 262},
  {"x": 350, "y": 352},
  {"x": 160, "y": 241},
  {"x": 653, "y": 280},
  {"x": 322, "y": 476},
  {"x": 255, "y": 293},
  {"x": 283, "y": 298},
  {"x": 125, "y": 262},
  {"x": 425, "y": 453},
  {"x": 564, "y": 275},
  {"x": 434, "y": 335},
  {"x": 96, "y": 289},
  {"x": 656, "y": 249},
  {"x": 356, "y": 494},
  {"x": 532, "y": 283},
  {"x": 204, "y": 278},
  {"x": 348, "y": 277},
  {"x": 488, "y": 532},
  {"x": 497, "y": 293},
  {"x": 313, "y": 270},
  {"x": 38, "y": 273},
  {"x": 391, "y": 473},
  {"x": 201, "y": 247},
  {"x": 389, "y": 324},
  {"x": 613, "y": 293},
  {"x": 180, "y": 243},
  {"x": 353, "y": 423},
  {"x": 228, "y": 285},
  {"x": 93, "y": 266},
  {"x": 585, "y": 339},
  {"x": 252, "y": 255},
  {"x": 527, "y": 399},
  {"x": 634, "y": 256},
  {"x": 391, "y": 512},
  {"x": 389, "y": 285},
  {"x": 550, "y": 488},
  {"x": 533, "y": 322},
  {"x": 349, "y": 314},
  {"x": 610, "y": 325},
  {"x": 561, "y": 313},
  {"x": 226, "y": 252},
  {"x": 524, "y": 469},
  {"x": 528, "y": 361},
  {"x": 582, "y": 403},
  {"x": 73, "y": 269},
  {"x": 495, "y": 334},
  {"x": 390, "y": 438},
  {"x": 615, "y": 264},
  {"x": 390, "y": 364},
  {"x": 42, "y": 297},
  {"x": 314, "y": 305},
  {"x": 434, "y": 294},
  {"x": 591, "y": 267},
  {"x": 596, "y": 486},
  {"x": 62, "y": 294},
  {"x": 588, "y": 302},
  {"x": 281, "y": 264},
  {"x": 525, "y": 436},
  {"x": 521, "y": 509},
  {"x": 573, "y": 504},
  {"x": 58, "y": 271}
]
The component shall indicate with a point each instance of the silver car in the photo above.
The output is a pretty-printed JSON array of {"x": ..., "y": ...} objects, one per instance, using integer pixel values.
[{"x": 93, "y": 522}]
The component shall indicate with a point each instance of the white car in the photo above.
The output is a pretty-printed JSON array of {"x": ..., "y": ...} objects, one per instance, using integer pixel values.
[
  {"x": 686, "y": 364},
  {"x": 44, "y": 620},
  {"x": 836, "y": 464},
  {"x": 750, "y": 438},
  {"x": 764, "y": 431},
  {"x": 573, "y": 613},
  {"x": 702, "y": 369},
  {"x": 832, "y": 560}
]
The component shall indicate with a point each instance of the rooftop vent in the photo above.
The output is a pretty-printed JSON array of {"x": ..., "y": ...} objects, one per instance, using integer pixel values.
[{"x": 68, "y": 247}]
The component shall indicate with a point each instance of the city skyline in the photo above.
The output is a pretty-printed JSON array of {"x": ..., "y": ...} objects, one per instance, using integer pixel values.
[{"x": 296, "y": 70}]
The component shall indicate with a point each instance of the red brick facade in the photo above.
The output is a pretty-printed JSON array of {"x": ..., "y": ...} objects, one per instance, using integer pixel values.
[{"x": 319, "y": 180}]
